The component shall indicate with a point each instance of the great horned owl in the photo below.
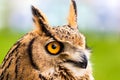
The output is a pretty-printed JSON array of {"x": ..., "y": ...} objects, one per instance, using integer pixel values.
[{"x": 49, "y": 53}]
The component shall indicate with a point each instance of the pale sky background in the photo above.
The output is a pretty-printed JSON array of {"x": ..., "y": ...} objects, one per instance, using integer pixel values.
[{"x": 101, "y": 15}]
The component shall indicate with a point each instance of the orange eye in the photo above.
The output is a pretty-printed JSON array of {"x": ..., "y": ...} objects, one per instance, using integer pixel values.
[{"x": 54, "y": 47}]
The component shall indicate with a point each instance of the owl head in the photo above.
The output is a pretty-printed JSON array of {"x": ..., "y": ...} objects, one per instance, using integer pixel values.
[{"x": 61, "y": 47}]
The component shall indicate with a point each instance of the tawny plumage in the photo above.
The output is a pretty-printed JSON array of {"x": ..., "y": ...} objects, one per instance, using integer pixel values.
[{"x": 49, "y": 53}]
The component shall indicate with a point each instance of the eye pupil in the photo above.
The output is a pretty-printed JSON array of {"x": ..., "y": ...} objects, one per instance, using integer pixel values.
[{"x": 54, "y": 46}]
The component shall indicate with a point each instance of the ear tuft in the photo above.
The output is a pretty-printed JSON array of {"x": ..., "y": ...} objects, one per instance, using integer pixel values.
[
  {"x": 36, "y": 12},
  {"x": 72, "y": 18},
  {"x": 39, "y": 19}
]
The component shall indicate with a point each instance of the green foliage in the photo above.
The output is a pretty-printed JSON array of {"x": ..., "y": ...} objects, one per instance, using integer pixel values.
[
  {"x": 105, "y": 55},
  {"x": 105, "y": 52},
  {"x": 7, "y": 39}
]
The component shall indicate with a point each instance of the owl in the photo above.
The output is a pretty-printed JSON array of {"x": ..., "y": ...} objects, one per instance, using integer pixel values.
[{"x": 49, "y": 53}]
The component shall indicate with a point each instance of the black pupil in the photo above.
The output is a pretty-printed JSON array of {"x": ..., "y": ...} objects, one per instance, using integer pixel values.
[{"x": 54, "y": 46}]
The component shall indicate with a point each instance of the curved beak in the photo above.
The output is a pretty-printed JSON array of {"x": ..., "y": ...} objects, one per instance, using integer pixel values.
[
  {"x": 81, "y": 64},
  {"x": 84, "y": 62}
]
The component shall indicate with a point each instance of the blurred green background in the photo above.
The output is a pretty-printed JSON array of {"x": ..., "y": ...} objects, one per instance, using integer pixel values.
[{"x": 101, "y": 29}]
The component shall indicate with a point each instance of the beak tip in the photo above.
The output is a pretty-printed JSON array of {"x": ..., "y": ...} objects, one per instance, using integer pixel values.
[
  {"x": 84, "y": 62},
  {"x": 84, "y": 65}
]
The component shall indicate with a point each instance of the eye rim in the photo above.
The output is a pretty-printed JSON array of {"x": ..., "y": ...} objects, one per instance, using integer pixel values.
[{"x": 60, "y": 50}]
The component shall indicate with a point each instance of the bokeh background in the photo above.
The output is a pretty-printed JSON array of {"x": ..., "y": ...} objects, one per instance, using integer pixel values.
[{"x": 99, "y": 20}]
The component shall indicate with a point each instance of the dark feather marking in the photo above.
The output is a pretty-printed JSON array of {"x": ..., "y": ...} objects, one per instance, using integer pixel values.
[
  {"x": 2, "y": 75},
  {"x": 30, "y": 46},
  {"x": 10, "y": 53},
  {"x": 75, "y": 7},
  {"x": 64, "y": 75},
  {"x": 7, "y": 77},
  {"x": 35, "y": 12},
  {"x": 42, "y": 77},
  {"x": 43, "y": 26},
  {"x": 16, "y": 67}
]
